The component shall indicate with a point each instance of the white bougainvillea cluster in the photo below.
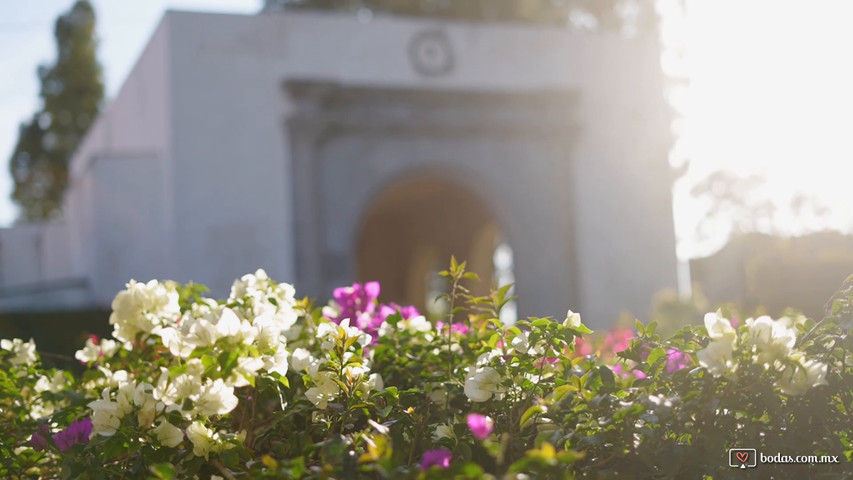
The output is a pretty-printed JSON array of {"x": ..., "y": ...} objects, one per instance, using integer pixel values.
[
  {"x": 766, "y": 342},
  {"x": 208, "y": 351},
  {"x": 203, "y": 354}
]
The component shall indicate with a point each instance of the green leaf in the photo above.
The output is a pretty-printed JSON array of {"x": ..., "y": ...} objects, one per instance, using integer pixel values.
[
  {"x": 655, "y": 355},
  {"x": 650, "y": 328},
  {"x": 531, "y": 412},
  {"x": 606, "y": 375},
  {"x": 540, "y": 322},
  {"x": 228, "y": 360},
  {"x": 471, "y": 276},
  {"x": 583, "y": 329},
  {"x": 563, "y": 390},
  {"x": 163, "y": 471}
]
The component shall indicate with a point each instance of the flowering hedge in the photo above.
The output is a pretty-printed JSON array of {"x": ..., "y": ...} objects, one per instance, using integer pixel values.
[{"x": 262, "y": 385}]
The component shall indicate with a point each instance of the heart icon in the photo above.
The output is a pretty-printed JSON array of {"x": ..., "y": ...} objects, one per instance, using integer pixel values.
[{"x": 742, "y": 456}]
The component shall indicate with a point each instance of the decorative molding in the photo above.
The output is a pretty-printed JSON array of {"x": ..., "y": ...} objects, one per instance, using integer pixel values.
[
  {"x": 363, "y": 109},
  {"x": 431, "y": 53}
]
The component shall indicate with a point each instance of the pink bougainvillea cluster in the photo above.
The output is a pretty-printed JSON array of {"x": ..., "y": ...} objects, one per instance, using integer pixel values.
[{"x": 360, "y": 304}]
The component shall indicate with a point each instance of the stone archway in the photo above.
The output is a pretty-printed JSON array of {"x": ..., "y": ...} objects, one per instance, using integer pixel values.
[{"x": 411, "y": 229}]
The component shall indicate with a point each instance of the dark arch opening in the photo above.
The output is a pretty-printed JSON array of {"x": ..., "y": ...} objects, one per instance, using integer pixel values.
[{"x": 411, "y": 229}]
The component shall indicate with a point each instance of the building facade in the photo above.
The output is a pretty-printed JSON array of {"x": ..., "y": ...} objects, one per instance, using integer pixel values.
[{"x": 328, "y": 149}]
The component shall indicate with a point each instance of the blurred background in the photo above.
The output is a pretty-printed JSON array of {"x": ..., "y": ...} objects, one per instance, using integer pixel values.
[{"x": 740, "y": 151}]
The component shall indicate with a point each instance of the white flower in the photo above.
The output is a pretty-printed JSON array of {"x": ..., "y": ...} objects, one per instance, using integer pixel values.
[
  {"x": 229, "y": 324},
  {"x": 717, "y": 356},
  {"x": 300, "y": 359},
  {"x": 200, "y": 332},
  {"x": 482, "y": 383},
  {"x": 375, "y": 382},
  {"x": 443, "y": 431},
  {"x": 220, "y": 323},
  {"x": 175, "y": 342},
  {"x": 804, "y": 375},
  {"x": 324, "y": 390},
  {"x": 168, "y": 434},
  {"x": 40, "y": 410},
  {"x": 774, "y": 340},
  {"x": 266, "y": 331},
  {"x": 116, "y": 378},
  {"x": 260, "y": 296},
  {"x": 521, "y": 344},
  {"x": 91, "y": 351},
  {"x": 573, "y": 320},
  {"x": 486, "y": 358},
  {"x": 173, "y": 391},
  {"x": 142, "y": 307},
  {"x": 328, "y": 332},
  {"x": 124, "y": 397},
  {"x": 246, "y": 369},
  {"x": 55, "y": 384},
  {"x": 23, "y": 353},
  {"x": 417, "y": 324},
  {"x": 216, "y": 398},
  {"x": 249, "y": 285},
  {"x": 144, "y": 399},
  {"x": 792, "y": 322},
  {"x": 332, "y": 310},
  {"x": 718, "y": 327},
  {"x": 202, "y": 439},
  {"x": 106, "y": 415},
  {"x": 438, "y": 395},
  {"x": 278, "y": 362}
]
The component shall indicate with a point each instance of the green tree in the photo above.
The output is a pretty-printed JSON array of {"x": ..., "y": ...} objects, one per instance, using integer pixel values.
[{"x": 72, "y": 91}]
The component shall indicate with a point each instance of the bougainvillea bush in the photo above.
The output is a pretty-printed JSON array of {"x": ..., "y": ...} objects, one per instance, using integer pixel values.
[{"x": 263, "y": 385}]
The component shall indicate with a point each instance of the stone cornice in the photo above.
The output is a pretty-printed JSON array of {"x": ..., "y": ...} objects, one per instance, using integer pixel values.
[{"x": 363, "y": 109}]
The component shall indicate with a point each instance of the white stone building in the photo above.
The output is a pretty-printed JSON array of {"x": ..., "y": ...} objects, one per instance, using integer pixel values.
[{"x": 326, "y": 150}]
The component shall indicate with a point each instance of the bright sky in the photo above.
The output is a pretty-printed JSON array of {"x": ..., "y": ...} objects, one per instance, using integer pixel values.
[{"x": 771, "y": 92}]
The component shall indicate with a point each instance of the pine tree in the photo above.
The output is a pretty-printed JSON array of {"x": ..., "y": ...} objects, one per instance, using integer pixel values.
[{"x": 72, "y": 92}]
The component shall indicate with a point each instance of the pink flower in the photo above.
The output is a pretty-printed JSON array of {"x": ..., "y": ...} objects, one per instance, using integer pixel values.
[
  {"x": 356, "y": 299},
  {"x": 546, "y": 361},
  {"x": 38, "y": 442},
  {"x": 438, "y": 458},
  {"x": 582, "y": 347},
  {"x": 676, "y": 360},
  {"x": 458, "y": 327},
  {"x": 359, "y": 304},
  {"x": 480, "y": 425},
  {"x": 39, "y": 438},
  {"x": 645, "y": 349},
  {"x": 622, "y": 371},
  {"x": 77, "y": 432},
  {"x": 618, "y": 340}
]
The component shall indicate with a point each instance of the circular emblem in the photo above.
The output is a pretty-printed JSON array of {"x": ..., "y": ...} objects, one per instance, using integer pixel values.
[{"x": 431, "y": 54}]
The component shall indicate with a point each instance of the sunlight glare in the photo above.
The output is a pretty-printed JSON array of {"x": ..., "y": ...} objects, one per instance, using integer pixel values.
[{"x": 771, "y": 93}]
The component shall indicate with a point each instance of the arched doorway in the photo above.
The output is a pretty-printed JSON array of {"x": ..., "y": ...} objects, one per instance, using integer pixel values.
[{"x": 413, "y": 227}]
